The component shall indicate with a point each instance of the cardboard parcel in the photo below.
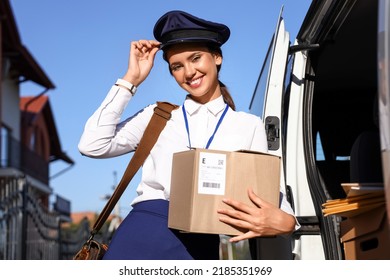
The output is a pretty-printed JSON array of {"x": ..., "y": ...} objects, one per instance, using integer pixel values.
[
  {"x": 364, "y": 230},
  {"x": 201, "y": 178}
]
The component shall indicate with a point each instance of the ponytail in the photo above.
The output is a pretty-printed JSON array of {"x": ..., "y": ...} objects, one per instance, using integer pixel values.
[
  {"x": 224, "y": 90},
  {"x": 226, "y": 96}
]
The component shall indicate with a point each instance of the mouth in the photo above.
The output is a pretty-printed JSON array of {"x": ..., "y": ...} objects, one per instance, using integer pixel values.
[{"x": 195, "y": 83}]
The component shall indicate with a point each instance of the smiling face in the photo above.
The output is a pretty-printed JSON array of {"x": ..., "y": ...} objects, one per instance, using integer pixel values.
[{"x": 194, "y": 68}]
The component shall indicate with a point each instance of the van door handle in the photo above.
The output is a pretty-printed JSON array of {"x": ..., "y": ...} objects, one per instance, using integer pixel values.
[{"x": 272, "y": 128}]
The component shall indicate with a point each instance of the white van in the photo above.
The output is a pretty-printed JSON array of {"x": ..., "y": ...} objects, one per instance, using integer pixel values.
[{"x": 318, "y": 97}]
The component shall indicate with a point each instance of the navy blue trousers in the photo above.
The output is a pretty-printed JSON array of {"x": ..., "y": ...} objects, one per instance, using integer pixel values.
[{"x": 144, "y": 235}]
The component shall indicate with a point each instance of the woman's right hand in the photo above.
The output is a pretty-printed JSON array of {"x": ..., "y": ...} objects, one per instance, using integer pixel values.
[{"x": 141, "y": 59}]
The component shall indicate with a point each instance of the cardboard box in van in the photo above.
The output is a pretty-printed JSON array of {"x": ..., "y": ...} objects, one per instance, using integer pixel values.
[
  {"x": 366, "y": 236},
  {"x": 201, "y": 178}
]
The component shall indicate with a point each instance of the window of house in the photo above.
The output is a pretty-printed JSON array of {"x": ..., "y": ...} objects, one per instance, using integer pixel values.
[{"x": 5, "y": 143}]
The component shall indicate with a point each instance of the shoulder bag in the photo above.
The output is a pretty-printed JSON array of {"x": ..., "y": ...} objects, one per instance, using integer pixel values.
[{"x": 92, "y": 249}]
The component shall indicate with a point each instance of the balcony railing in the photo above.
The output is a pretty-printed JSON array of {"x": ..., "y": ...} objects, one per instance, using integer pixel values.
[{"x": 16, "y": 155}]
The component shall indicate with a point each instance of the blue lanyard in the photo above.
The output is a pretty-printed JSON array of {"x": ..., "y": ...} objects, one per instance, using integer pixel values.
[{"x": 216, "y": 127}]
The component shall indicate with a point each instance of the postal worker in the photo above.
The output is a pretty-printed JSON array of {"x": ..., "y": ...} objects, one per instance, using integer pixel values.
[{"x": 207, "y": 119}]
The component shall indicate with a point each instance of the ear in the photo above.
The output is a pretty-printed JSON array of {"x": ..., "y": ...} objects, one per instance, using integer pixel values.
[{"x": 218, "y": 59}]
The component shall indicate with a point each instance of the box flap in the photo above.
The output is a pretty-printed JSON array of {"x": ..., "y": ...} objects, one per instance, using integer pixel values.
[
  {"x": 362, "y": 224},
  {"x": 256, "y": 152}
]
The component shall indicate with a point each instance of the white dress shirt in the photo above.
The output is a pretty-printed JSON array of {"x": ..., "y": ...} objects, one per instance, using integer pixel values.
[{"x": 106, "y": 136}]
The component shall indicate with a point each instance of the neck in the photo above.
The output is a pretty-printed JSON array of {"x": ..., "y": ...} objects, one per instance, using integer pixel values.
[{"x": 208, "y": 96}]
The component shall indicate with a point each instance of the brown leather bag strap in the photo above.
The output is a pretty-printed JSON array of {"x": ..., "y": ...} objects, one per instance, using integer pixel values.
[{"x": 162, "y": 113}]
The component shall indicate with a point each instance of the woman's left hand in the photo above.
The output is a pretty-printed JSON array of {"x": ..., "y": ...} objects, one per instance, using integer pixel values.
[{"x": 263, "y": 219}]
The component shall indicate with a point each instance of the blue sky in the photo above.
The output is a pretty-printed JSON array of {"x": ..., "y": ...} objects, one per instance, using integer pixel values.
[{"x": 83, "y": 47}]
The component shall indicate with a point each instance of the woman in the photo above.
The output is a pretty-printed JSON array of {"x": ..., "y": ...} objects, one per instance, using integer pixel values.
[{"x": 191, "y": 46}]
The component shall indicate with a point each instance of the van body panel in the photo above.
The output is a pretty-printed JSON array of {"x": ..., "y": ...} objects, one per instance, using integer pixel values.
[{"x": 384, "y": 92}]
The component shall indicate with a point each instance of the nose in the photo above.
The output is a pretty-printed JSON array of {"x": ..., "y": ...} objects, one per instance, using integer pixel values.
[{"x": 189, "y": 71}]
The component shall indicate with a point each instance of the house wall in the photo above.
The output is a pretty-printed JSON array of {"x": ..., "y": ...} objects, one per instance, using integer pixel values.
[{"x": 10, "y": 112}]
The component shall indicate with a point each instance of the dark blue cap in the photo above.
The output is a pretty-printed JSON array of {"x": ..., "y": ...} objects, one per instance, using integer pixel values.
[{"x": 180, "y": 27}]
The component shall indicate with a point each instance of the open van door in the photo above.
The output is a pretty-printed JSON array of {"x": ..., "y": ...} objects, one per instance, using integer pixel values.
[
  {"x": 265, "y": 103},
  {"x": 278, "y": 94}
]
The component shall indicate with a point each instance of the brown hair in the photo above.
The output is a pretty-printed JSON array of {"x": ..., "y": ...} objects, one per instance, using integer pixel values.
[{"x": 224, "y": 90}]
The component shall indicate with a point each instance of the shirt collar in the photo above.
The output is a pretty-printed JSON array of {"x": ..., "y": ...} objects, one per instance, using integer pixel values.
[{"x": 214, "y": 106}]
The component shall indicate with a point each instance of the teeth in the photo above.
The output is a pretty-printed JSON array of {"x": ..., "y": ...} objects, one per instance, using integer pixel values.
[{"x": 195, "y": 82}]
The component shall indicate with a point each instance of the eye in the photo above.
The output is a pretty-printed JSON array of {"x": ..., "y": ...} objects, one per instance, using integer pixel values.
[
  {"x": 196, "y": 58},
  {"x": 175, "y": 67}
]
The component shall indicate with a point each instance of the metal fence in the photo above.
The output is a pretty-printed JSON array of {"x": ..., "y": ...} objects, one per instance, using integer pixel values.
[{"x": 28, "y": 231}]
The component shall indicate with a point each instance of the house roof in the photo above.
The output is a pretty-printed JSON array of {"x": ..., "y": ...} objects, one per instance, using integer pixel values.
[
  {"x": 77, "y": 217},
  {"x": 21, "y": 59},
  {"x": 33, "y": 106}
]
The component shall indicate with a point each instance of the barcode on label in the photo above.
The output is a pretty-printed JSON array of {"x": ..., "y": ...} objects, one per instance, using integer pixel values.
[
  {"x": 211, "y": 185},
  {"x": 212, "y": 173}
]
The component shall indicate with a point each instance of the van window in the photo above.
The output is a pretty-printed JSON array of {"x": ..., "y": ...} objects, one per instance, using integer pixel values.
[
  {"x": 257, "y": 104},
  {"x": 343, "y": 87},
  {"x": 319, "y": 150}
]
